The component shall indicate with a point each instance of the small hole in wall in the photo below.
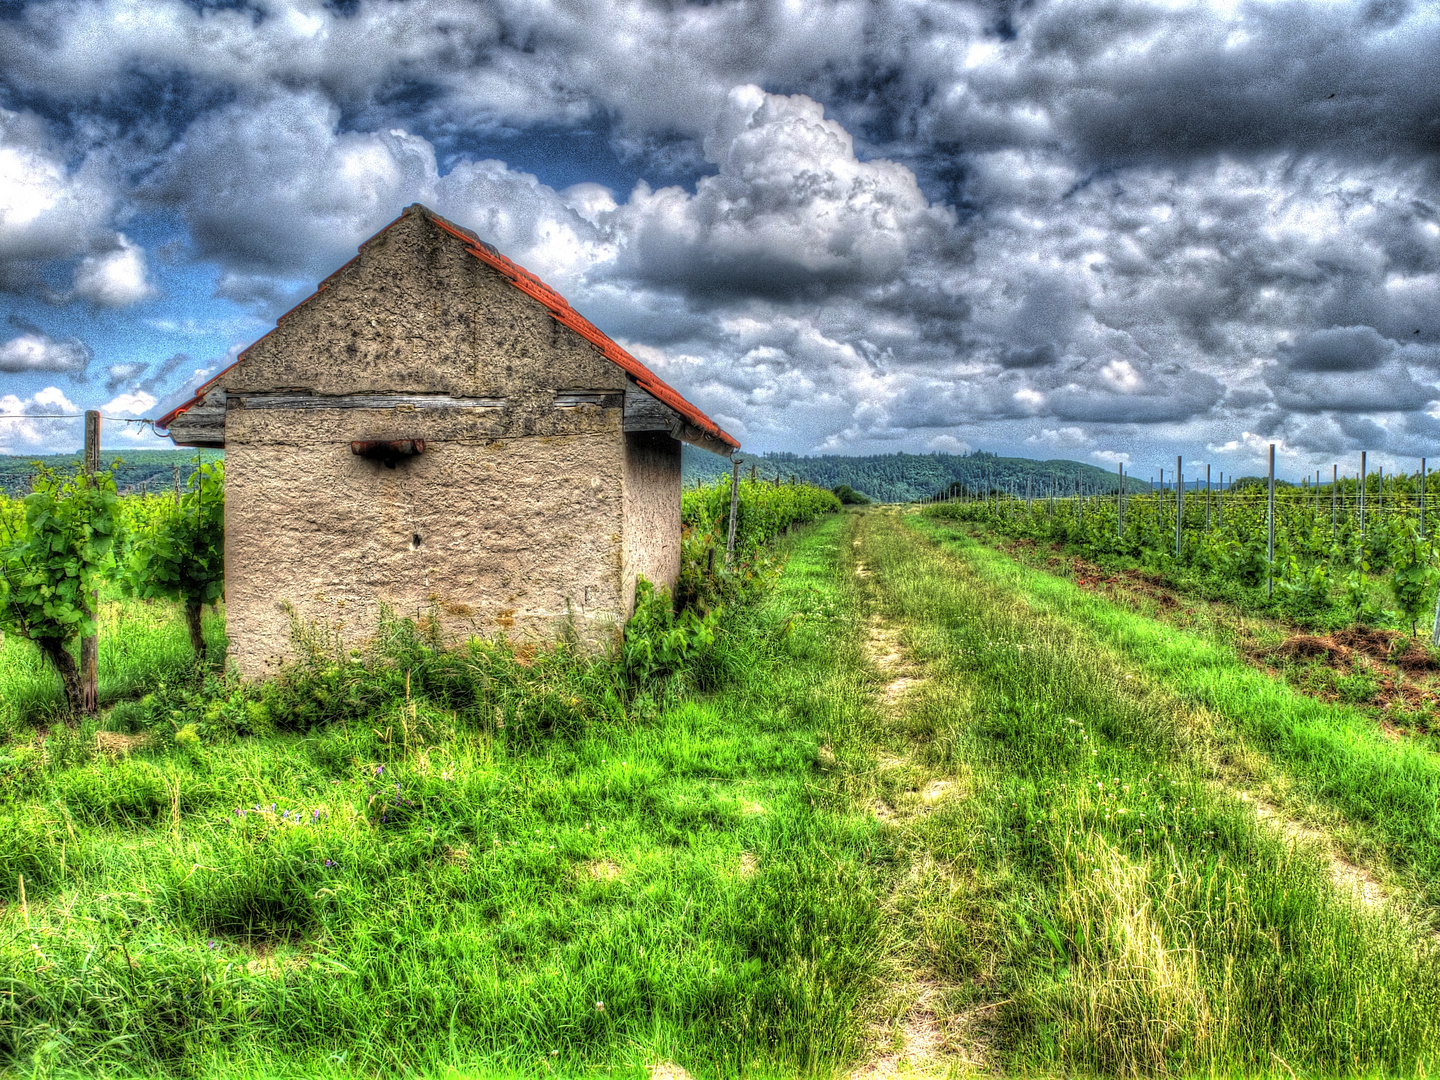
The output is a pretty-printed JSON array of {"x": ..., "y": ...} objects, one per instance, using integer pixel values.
[{"x": 415, "y": 540}]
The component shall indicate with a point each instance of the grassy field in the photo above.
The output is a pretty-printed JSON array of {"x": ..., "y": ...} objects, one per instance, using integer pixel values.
[
  {"x": 924, "y": 810},
  {"x": 503, "y": 866},
  {"x": 1114, "y": 881}
]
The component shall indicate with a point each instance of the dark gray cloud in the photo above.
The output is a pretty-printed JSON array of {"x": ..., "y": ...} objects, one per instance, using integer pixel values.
[
  {"x": 1377, "y": 390},
  {"x": 118, "y": 375},
  {"x": 32, "y": 351},
  {"x": 1078, "y": 224},
  {"x": 1341, "y": 348}
]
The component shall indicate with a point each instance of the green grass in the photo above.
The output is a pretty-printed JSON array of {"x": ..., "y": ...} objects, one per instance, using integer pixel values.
[
  {"x": 1123, "y": 912},
  {"x": 1332, "y": 762},
  {"x": 482, "y": 863},
  {"x": 142, "y": 645},
  {"x": 563, "y": 894}
]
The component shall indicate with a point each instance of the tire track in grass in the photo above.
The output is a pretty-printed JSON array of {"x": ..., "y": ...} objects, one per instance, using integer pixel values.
[
  {"x": 1324, "y": 766},
  {"x": 1348, "y": 876},
  {"x": 922, "y": 1035},
  {"x": 1119, "y": 911}
]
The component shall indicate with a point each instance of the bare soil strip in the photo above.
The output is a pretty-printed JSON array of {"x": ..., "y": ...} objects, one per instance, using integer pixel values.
[{"x": 919, "y": 1041}]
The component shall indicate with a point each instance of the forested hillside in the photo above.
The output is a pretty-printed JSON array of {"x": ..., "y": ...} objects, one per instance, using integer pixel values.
[
  {"x": 153, "y": 468},
  {"x": 883, "y": 477},
  {"x": 902, "y": 477}
]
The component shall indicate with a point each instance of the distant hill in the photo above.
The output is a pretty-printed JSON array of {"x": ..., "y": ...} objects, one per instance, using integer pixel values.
[
  {"x": 883, "y": 477},
  {"x": 155, "y": 469},
  {"x": 903, "y": 477}
]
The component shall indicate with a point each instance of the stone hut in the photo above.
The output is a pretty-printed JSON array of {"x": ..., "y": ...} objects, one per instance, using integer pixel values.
[{"x": 436, "y": 432}]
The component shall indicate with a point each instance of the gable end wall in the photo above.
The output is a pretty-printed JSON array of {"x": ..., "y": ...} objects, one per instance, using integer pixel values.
[{"x": 516, "y": 519}]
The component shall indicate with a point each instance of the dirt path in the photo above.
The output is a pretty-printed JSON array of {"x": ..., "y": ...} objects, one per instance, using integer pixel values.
[
  {"x": 919, "y": 1037},
  {"x": 1348, "y": 877}
]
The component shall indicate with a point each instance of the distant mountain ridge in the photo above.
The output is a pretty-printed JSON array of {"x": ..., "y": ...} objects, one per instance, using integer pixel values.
[
  {"x": 883, "y": 477},
  {"x": 905, "y": 477}
]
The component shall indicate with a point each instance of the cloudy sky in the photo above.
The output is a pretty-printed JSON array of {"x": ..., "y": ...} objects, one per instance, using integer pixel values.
[{"x": 1094, "y": 229}]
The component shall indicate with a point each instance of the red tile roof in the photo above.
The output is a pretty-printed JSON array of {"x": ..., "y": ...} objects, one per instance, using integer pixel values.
[{"x": 532, "y": 287}]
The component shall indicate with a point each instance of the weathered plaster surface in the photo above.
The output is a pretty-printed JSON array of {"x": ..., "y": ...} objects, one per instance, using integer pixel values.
[
  {"x": 516, "y": 536},
  {"x": 413, "y": 313},
  {"x": 652, "y": 510},
  {"x": 525, "y": 519}
]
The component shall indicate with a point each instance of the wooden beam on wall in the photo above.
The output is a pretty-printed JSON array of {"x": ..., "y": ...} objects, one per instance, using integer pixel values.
[
  {"x": 300, "y": 400},
  {"x": 202, "y": 425},
  {"x": 602, "y": 399},
  {"x": 645, "y": 413}
]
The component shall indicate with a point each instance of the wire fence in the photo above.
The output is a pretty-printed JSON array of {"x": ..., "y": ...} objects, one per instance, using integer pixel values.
[
  {"x": 1304, "y": 544},
  {"x": 75, "y": 416}
]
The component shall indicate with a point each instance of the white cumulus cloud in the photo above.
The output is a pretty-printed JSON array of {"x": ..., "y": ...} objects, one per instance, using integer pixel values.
[
  {"x": 27, "y": 428},
  {"x": 48, "y": 208},
  {"x": 136, "y": 403},
  {"x": 115, "y": 278}
]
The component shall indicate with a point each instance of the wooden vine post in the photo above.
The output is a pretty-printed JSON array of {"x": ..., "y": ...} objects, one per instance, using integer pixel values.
[
  {"x": 90, "y": 645},
  {"x": 1334, "y": 502},
  {"x": 1179, "y": 505},
  {"x": 1120, "y": 500},
  {"x": 1270, "y": 528},
  {"x": 734, "y": 505},
  {"x": 1360, "y": 500}
]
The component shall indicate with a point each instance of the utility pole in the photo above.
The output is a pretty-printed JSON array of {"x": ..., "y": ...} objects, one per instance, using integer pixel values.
[
  {"x": 90, "y": 645},
  {"x": 1207, "y": 498}
]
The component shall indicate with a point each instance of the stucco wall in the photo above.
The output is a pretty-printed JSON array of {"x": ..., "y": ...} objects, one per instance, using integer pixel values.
[
  {"x": 652, "y": 511},
  {"x": 513, "y": 535},
  {"x": 519, "y": 510},
  {"x": 413, "y": 313}
]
